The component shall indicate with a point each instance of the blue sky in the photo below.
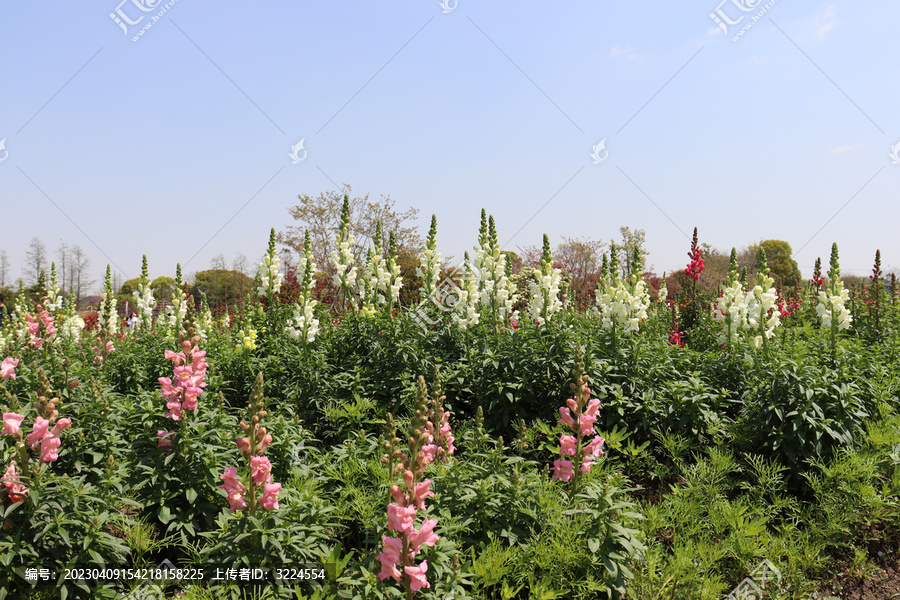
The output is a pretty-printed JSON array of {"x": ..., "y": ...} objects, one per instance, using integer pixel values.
[{"x": 177, "y": 145}]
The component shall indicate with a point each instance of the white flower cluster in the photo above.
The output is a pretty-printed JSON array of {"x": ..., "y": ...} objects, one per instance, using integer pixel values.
[
  {"x": 624, "y": 307},
  {"x": 204, "y": 322},
  {"x": 392, "y": 290},
  {"x": 759, "y": 303},
  {"x": 54, "y": 299},
  {"x": 731, "y": 308},
  {"x": 495, "y": 289},
  {"x": 177, "y": 311},
  {"x": 466, "y": 308},
  {"x": 380, "y": 283},
  {"x": 107, "y": 316},
  {"x": 145, "y": 303},
  {"x": 270, "y": 276},
  {"x": 429, "y": 270},
  {"x": 835, "y": 306},
  {"x": 343, "y": 259},
  {"x": 545, "y": 295},
  {"x": 304, "y": 323},
  {"x": 71, "y": 328}
]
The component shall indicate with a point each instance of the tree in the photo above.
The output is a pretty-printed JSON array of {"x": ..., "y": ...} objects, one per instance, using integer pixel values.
[
  {"x": 127, "y": 289},
  {"x": 4, "y": 269},
  {"x": 240, "y": 264},
  {"x": 218, "y": 262},
  {"x": 35, "y": 260},
  {"x": 79, "y": 262},
  {"x": 163, "y": 288},
  {"x": 631, "y": 241},
  {"x": 581, "y": 259},
  {"x": 782, "y": 266},
  {"x": 322, "y": 216},
  {"x": 220, "y": 287},
  {"x": 62, "y": 254}
]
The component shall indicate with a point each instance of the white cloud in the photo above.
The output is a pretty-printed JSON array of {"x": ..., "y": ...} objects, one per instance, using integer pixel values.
[
  {"x": 844, "y": 148},
  {"x": 624, "y": 53},
  {"x": 815, "y": 28}
]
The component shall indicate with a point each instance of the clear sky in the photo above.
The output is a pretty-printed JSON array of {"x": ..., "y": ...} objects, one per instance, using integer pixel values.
[{"x": 177, "y": 145}]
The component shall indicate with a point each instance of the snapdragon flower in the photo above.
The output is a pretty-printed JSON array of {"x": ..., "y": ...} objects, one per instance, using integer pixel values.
[{"x": 269, "y": 274}]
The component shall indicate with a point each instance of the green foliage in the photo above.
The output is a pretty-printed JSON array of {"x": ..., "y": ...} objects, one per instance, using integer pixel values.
[
  {"x": 221, "y": 287},
  {"x": 802, "y": 415},
  {"x": 782, "y": 266}
]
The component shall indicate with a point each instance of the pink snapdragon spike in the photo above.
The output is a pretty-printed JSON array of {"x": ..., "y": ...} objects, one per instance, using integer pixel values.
[
  {"x": 14, "y": 488},
  {"x": 423, "y": 536},
  {"x": 185, "y": 387},
  {"x": 401, "y": 518},
  {"x": 417, "y": 576},
  {"x": 165, "y": 439},
  {"x": 8, "y": 367},
  {"x": 579, "y": 415},
  {"x": 390, "y": 558},
  {"x": 12, "y": 423},
  {"x": 34, "y": 325},
  {"x": 252, "y": 447},
  {"x": 49, "y": 446},
  {"x": 260, "y": 470},
  {"x": 39, "y": 431},
  {"x": 234, "y": 489},
  {"x": 428, "y": 439},
  {"x": 563, "y": 470},
  {"x": 61, "y": 425},
  {"x": 269, "y": 499}
]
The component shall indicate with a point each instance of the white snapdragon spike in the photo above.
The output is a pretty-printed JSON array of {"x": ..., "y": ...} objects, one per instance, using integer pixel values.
[
  {"x": 367, "y": 286},
  {"x": 429, "y": 270},
  {"x": 226, "y": 320},
  {"x": 837, "y": 304},
  {"x": 622, "y": 307},
  {"x": 304, "y": 324},
  {"x": 71, "y": 328},
  {"x": 345, "y": 270},
  {"x": 759, "y": 301},
  {"x": 731, "y": 306},
  {"x": 204, "y": 322},
  {"x": 108, "y": 317},
  {"x": 145, "y": 303},
  {"x": 54, "y": 295},
  {"x": 270, "y": 277},
  {"x": 545, "y": 296},
  {"x": 466, "y": 308},
  {"x": 177, "y": 312}
]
